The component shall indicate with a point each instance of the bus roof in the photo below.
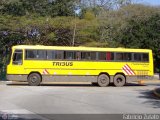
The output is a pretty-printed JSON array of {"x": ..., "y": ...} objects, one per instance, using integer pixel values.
[{"x": 79, "y": 48}]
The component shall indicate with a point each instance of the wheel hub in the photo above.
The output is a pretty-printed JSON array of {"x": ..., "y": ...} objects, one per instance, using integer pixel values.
[
  {"x": 103, "y": 80},
  {"x": 34, "y": 79}
]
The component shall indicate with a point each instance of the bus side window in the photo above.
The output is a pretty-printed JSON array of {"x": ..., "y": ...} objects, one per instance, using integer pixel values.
[
  {"x": 137, "y": 57},
  {"x": 78, "y": 55},
  {"x": 31, "y": 54},
  {"x": 119, "y": 56},
  {"x": 102, "y": 56},
  {"x": 85, "y": 56},
  {"x": 17, "y": 57},
  {"x": 108, "y": 56},
  {"x": 50, "y": 55},
  {"x": 59, "y": 55},
  {"x": 145, "y": 57},
  {"x": 69, "y": 55},
  {"x": 93, "y": 55},
  {"x": 127, "y": 56},
  {"x": 41, "y": 54},
  {"x": 88, "y": 56}
]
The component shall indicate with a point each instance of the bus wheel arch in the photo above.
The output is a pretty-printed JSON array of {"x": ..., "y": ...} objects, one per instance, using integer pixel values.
[
  {"x": 103, "y": 79},
  {"x": 119, "y": 79},
  {"x": 34, "y": 79},
  {"x": 105, "y": 74}
]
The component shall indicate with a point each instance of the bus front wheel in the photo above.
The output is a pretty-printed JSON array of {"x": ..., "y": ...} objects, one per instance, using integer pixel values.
[
  {"x": 103, "y": 80},
  {"x": 119, "y": 80},
  {"x": 34, "y": 79}
]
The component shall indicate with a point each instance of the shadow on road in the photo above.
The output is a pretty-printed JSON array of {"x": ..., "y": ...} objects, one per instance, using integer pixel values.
[
  {"x": 53, "y": 84},
  {"x": 134, "y": 84},
  {"x": 72, "y": 84},
  {"x": 151, "y": 99}
]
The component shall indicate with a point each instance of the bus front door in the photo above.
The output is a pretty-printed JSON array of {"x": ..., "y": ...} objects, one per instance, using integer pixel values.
[{"x": 17, "y": 61}]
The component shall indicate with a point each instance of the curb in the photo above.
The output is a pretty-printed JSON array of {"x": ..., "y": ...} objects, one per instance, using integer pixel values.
[
  {"x": 156, "y": 93},
  {"x": 5, "y": 82},
  {"x": 154, "y": 81}
]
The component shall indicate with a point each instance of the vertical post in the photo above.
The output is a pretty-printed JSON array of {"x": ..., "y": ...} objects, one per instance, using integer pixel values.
[
  {"x": 74, "y": 30},
  {"x": 74, "y": 34}
]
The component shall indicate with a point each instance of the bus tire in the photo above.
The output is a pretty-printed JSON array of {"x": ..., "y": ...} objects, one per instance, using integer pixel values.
[
  {"x": 119, "y": 80},
  {"x": 103, "y": 80},
  {"x": 34, "y": 79}
]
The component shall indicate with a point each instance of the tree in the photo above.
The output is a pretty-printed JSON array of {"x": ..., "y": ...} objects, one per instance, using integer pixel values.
[
  {"x": 62, "y": 8},
  {"x": 144, "y": 34},
  {"x": 13, "y": 8},
  {"x": 41, "y": 7}
]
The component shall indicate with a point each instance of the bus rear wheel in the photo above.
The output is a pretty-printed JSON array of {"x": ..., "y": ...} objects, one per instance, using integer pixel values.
[
  {"x": 119, "y": 80},
  {"x": 103, "y": 80},
  {"x": 34, "y": 79}
]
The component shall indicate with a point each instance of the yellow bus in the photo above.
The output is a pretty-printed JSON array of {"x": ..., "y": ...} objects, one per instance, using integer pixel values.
[{"x": 102, "y": 66}]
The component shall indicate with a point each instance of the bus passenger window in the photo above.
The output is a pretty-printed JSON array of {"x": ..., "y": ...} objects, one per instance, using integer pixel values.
[
  {"x": 137, "y": 57},
  {"x": 41, "y": 54},
  {"x": 102, "y": 56},
  {"x": 59, "y": 55},
  {"x": 70, "y": 55},
  {"x": 110, "y": 56},
  {"x": 93, "y": 55},
  {"x": 50, "y": 55},
  {"x": 119, "y": 56},
  {"x": 145, "y": 57},
  {"x": 85, "y": 56},
  {"x": 88, "y": 55},
  {"x": 17, "y": 58},
  {"x": 127, "y": 57},
  {"x": 31, "y": 54},
  {"x": 107, "y": 56},
  {"x": 78, "y": 55}
]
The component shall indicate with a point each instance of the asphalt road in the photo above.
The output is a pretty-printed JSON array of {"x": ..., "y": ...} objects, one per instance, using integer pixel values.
[{"x": 78, "y": 99}]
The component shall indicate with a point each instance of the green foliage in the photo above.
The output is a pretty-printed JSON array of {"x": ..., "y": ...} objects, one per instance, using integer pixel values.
[
  {"x": 145, "y": 34},
  {"x": 15, "y": 8},
  {"x": 40, "y": 7},
  {"x": 89, "y": 15},
  {"x": 51, "y": 36},
  {"x": 95, "y": 44},
  {"x": 62, "y": 8}
]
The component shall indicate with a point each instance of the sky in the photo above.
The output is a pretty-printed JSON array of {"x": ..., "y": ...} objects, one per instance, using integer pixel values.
[{"x": 149, "y": 2}]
